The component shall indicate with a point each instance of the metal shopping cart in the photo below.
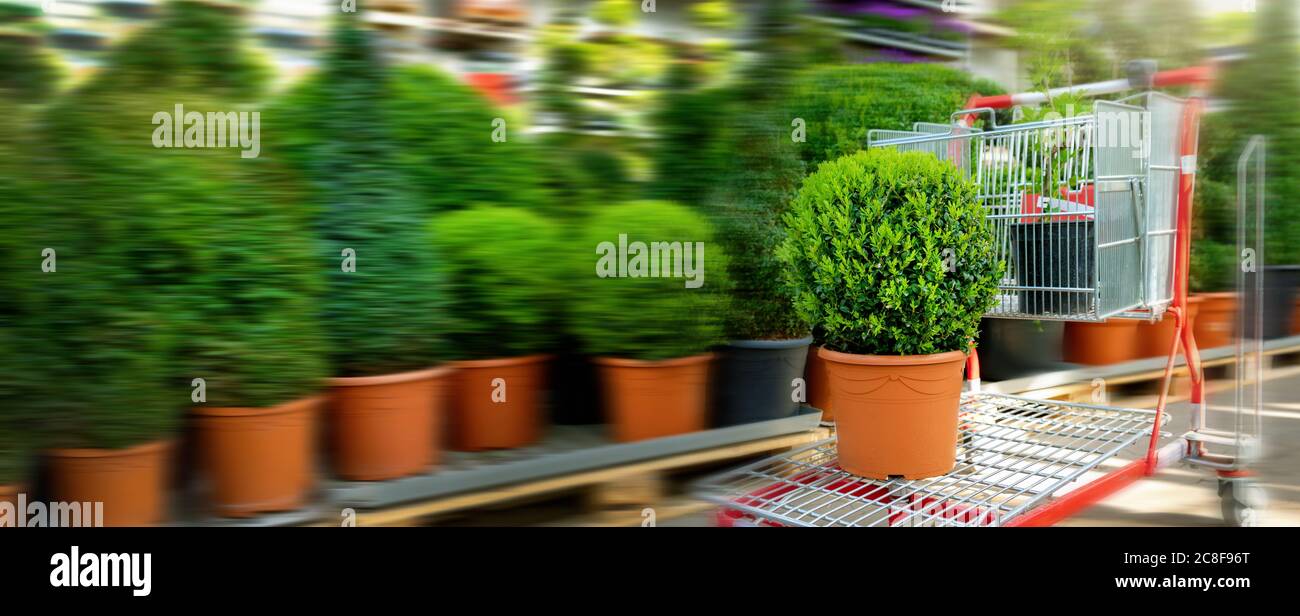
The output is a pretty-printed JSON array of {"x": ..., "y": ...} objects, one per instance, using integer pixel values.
[{"x": 1092, "y": 214}]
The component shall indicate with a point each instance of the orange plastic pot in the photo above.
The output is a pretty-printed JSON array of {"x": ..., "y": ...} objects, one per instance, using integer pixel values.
[
  {"x": 650, "y": 399},
  {"x": 496, "y": 403},
  {"x": 1099, "y": 344},
  {"x": 896, "y": 415},
  {"x": 132, "y": 482},
  {"x": 388, "y": 426},
  {"x": 1216, "y": 320},
  {"x": 1154, "y": 338},
  {"x": 258, "y": 460},
  {"x": 818, "y": 384}
]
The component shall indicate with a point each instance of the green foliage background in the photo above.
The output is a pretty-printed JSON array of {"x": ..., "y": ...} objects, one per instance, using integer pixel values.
[
  {"x": 647, "y": 318},
  {"x": 29, "y": 72},
  {"x": 443, "y": 141},
  {"x": 502, "y": 281},
  {"x": 841, "y": 103},
  {"x": 1261, "y": 91},
  {"x": 866, "y": 253}
]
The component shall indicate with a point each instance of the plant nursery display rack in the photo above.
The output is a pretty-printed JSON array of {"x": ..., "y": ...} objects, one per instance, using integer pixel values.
[{"x": 1092, "y": 216}]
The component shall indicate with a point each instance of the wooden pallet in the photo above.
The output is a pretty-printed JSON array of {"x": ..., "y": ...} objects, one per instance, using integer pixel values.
[{"x": 616, "y": 494}]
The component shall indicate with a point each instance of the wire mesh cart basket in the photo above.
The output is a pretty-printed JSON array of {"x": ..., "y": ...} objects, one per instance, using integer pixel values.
[{"x": 1091, "y": 214}]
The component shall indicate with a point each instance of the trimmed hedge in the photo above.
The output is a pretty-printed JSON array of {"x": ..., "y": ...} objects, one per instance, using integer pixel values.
[
  {"x": 871, "y": 236},
  {"x": 502, "y": 280},
  {"x": 648, "y": 318},
  {"x": 385, "y": 316},
  {"x": 841, "y": 103}
]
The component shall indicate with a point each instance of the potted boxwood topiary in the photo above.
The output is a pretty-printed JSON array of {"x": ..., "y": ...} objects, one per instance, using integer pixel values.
[
  {"x": 252, "y": 334},
  {"x": 891, "y": 257},
  {"x": 111, "y": 218},
  {"x": 382, "y": 303},
  {"x": 119, "y": 216},
  {"x": 652, "y": 306},
  {"x": 767, "y": 341},
  {"x": 499, "y": 264},
  {"x": 17, "y": 421}
]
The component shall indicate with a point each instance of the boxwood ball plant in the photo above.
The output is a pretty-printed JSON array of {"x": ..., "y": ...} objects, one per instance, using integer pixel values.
[
  {"x": 502, "y": 283},
  {"x": 637, "y": 303},
  {"x": 889, "y": 254}
]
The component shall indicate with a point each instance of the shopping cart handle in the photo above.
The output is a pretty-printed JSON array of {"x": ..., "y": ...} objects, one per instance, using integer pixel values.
[{"x": 992, "y": 113}]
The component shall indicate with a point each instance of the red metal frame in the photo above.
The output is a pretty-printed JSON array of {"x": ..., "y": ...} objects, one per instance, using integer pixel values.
[{"x": 1093, "y": 492}]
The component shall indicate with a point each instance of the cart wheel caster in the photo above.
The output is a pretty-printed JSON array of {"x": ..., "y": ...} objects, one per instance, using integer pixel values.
[{"x": 1242, "y": 502}]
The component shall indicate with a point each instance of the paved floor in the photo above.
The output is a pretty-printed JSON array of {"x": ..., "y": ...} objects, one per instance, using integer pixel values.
[{"x": 1183, "y": 496}]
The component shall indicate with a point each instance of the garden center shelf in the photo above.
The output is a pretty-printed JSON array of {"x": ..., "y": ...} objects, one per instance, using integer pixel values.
[
  {"x": 565, "y": 450},
  {"x": 1013, "y": 455}
]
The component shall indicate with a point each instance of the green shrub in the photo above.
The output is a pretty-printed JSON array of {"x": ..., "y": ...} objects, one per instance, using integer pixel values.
[
  {"x": 385, "y": 316},
  {"x": 115, "y": 210},
  {"x": 1261, "y": 100},
  {"x": 646, "y": 317},
  {"x": 195, "y": 46},
  {"x": 443, "y": 135},
  {"x": 1214, "y": 262},
  {"x": 763, "y": 172},
  {"x": 690, "y": 141},
  {"x": 250, "y": 324},
  {"x": 890, "y": 254},
  {"x": 841, "y": 103},
  {"x": 18, "y": 421},
  {"x": 502, "y": 283},
  {"x": 581, "y": 173},
  {"x": 29, "y": 72},
  {"x": 763, "y": 176},
  {"x": 128, "y": 223}
]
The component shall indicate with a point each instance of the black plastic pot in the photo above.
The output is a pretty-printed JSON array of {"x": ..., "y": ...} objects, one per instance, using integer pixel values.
[
  {"x": 1280, "y": 283},
  {"x": 1013, "y": 348},
  {"x": 1054, "y": 254},
  {"x": 575, "y": 388},
  {"x": 754, "y": 380}
]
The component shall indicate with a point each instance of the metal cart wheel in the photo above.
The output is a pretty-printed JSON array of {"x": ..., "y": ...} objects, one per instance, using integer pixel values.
[{"x": 1242, "y": 500}]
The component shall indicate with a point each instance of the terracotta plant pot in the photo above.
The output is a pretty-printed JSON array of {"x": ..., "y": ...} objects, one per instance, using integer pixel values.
[
  {"x": 650, "y": 399},
  {"x": 1100, "y": 344},
  {"x": 1154, "y": 338},
  {"x": 258, "y": 460},
  {"x": 1216, "y": 320},
  {"x": 818, "y": 384},
  {"x": 387, "y": 426},
  {"x": 491, "y": 414},
  {"x": 896, "y": 415},
  {"x": 132, "y": 482}
]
